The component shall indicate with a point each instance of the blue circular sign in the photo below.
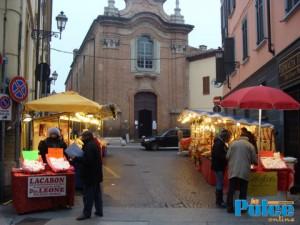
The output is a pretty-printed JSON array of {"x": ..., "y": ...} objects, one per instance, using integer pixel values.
[{"x": 5, "y": 102}]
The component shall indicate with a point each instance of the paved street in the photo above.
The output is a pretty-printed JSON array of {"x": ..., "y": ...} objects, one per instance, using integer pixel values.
[
  {"x": 138, "y": 178},
  {"x": 144, "y": 188}
]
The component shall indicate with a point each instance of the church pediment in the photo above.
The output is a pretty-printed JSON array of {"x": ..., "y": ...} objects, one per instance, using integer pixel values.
[{"x": 134, "y": 7}]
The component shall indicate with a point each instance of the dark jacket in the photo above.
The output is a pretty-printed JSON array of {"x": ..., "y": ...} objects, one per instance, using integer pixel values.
[
  {"x": 219, "y": 150},
  {"x": 90, "y": 164},
  {"x": 50, "y": 143}
]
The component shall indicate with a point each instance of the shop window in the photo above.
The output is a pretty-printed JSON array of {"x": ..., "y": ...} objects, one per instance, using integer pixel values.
[
  {"x": 206, "y": 86},
  {"x": 145, "y": 53},
  {"x": 245, "y": 39},
  {"x": 260, "y": 27},
  {"x": 290, "y": 5}
]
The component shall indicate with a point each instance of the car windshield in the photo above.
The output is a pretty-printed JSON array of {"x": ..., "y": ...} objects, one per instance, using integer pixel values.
[{"x": 165, "y": 133}]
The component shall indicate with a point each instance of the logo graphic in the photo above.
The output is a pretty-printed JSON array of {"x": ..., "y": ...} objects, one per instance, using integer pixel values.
[{"x": 275, "y": 211}]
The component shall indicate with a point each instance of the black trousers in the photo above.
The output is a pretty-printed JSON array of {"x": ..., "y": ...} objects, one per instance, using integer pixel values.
[
  {"x": 236, "y": 183},
  {"x": 92, "y": 194}
]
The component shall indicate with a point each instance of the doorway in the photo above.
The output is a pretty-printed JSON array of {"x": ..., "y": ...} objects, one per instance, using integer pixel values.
[
  {"x": 145, "y": 123},
  {"x": 145, "y": 113}
]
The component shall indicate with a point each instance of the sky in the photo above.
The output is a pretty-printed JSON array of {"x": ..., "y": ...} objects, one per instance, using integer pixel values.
[{"x": 203, "y": 14}]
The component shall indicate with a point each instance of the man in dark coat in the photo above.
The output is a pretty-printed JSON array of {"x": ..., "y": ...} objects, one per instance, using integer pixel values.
[
  {"x": 53, "y": 140},
  {"x": 219, "y": 163},
  {"x": 91, "y": 176}
]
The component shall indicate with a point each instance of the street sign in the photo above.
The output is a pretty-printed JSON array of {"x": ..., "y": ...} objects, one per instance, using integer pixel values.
[
  {"x": 5, "y": 107},
  {"x": 18, "y": 89},
  {"x": 217, "y": 100}
]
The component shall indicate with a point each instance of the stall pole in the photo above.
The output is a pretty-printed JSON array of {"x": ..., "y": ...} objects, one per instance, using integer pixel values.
[
  {"x": 259, "y": 130},
  {"x": 69, "y": 129},
  {"x": 259, "y": 136},
  {"x": 18, "y": 134}
]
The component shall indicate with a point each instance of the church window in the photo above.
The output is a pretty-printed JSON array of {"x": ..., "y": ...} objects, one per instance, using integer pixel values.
[{"x": 145, "y": 53}]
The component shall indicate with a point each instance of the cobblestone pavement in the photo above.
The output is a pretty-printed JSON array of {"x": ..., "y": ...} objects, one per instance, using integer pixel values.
[
  {"x": 145, "y": 188},
  {"x": 161, "y": 179}
]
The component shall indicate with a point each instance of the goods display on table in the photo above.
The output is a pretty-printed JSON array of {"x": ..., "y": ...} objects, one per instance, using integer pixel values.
[
  {"x": 32, "y": 166},
  {"x": 31, "y": 162},
  {"x": 56, "y": 160},
  {"x": 273, "y": 162}
]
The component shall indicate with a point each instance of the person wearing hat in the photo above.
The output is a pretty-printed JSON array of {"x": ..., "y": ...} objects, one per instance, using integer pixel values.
[
  {"x": 53, "y": 140},
  {"x": 91, "y": 176}
]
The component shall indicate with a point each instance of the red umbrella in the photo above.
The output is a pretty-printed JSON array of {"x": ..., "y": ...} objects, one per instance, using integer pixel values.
[{"x": 261, "y": 98}]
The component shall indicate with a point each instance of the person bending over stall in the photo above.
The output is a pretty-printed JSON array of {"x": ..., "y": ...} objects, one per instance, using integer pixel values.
[
  {"x": 241, "y": 155},
  {"x": 219, "y": 163},
  {"x": 53, "y": 140},
  {"x": 91, "y": 176}
]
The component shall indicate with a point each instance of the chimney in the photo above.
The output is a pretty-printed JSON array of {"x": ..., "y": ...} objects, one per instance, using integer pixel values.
[
  {"x": 75, "y": 53},
  {"x": 203, "y": 48}
]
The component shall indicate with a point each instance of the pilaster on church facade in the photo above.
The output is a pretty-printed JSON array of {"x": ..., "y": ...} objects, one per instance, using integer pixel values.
[{"x": 140, "y": 66}]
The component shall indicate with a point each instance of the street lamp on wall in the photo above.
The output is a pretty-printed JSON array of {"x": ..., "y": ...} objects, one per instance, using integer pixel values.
[
  {"x": 61, "y": 20},
  {"x": 54, "y": 77}
]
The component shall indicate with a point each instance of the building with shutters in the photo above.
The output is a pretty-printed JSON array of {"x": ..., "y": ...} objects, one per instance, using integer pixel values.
[
  {"x": 18, "y": 51},
  {"x": 203, "y": 86},
  {"x": 135, "y": 58},
  {"x": 261, "y": 40}
]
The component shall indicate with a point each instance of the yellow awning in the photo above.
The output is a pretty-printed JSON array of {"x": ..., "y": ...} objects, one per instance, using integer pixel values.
[{"x": 67, "y": 102}]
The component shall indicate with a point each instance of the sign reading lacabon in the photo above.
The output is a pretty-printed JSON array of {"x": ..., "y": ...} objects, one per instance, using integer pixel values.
[{"x": 46, "y": 186}]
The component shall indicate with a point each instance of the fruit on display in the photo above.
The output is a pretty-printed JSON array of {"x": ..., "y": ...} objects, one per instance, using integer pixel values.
[
  {"x": 33, "y": 166},
  {"x": 273, "y": 163}
]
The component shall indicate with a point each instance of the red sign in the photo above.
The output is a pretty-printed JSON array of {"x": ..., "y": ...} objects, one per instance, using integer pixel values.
[
  {"x": 217, "y": 100},
  {"x": 1, "y": 59},
  {"x": 46, "y": 186},
  {"x": 18, "y": 89}
]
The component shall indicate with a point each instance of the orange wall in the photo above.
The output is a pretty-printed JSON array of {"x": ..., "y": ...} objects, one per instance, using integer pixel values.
[{"x": 283, "y": 34}]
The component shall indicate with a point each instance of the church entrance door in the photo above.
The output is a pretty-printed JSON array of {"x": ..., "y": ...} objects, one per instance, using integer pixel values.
[{"x": 145, "y": 107}]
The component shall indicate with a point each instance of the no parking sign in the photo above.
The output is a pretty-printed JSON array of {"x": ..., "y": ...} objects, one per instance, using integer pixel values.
[
  {"x": 5, "y": 107},
  {"x": 18, "y": 89}
]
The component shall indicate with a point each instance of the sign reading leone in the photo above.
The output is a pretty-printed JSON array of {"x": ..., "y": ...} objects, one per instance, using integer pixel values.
[{"x": 46, "y": 186}]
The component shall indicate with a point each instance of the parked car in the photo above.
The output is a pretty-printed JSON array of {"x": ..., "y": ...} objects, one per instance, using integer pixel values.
[{"x": 168, "y": 139}]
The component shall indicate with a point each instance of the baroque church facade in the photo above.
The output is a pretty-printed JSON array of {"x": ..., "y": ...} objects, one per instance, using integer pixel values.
[{"x": 135, "y": 58}]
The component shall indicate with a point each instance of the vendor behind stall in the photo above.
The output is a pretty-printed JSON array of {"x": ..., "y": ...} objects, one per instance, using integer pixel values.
[{"x": 53, "y": 140}]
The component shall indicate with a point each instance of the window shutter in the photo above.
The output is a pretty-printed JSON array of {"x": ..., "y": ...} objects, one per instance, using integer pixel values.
[
  {"x": 245, "y": 38},
  {"x": 229, "y": 55},
  {"x": 206, "y": 86},
  {"x": 257, "y": 22}
]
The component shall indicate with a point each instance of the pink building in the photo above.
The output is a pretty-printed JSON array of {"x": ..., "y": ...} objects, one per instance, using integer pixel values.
[{"x": 261, "y": 40}]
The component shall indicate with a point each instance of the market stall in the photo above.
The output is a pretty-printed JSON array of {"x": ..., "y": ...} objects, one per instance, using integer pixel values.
[
  {"x": 52, "y": 184},
  {"x": 204, "y": 128}
]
